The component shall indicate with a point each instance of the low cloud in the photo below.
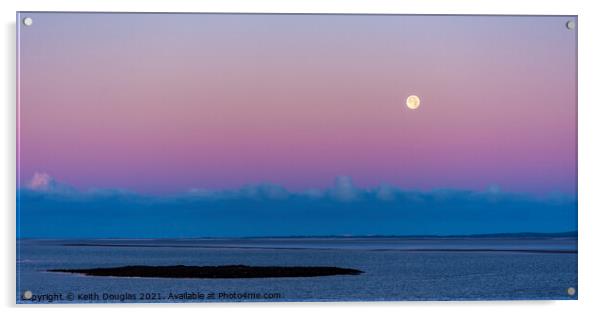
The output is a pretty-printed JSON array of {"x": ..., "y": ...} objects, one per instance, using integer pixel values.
[
  {"x": 344, "y": 190},
  {"x": 51, "y": 209},
  {"x": 43, "y": 182},
  {"x": 386, "y": 192}
]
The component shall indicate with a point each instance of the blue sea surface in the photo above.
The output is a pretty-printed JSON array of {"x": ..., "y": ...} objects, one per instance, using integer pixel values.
[{"x": 394, "y": 268}]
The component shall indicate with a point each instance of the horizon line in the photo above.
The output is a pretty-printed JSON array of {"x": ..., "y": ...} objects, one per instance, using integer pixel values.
[{"x": 572, "y": 233}]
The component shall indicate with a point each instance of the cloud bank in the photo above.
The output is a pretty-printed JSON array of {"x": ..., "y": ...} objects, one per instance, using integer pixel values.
[
  {"x": 49, "y": 209},
  {"x": 43, "y": 182}
]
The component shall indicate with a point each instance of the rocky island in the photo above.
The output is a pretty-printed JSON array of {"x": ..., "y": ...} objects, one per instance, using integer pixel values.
[{"x": 213, "y": 272}]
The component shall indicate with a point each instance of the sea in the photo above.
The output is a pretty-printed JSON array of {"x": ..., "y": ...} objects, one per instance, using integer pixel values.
[{"x": 394, "y": 269}]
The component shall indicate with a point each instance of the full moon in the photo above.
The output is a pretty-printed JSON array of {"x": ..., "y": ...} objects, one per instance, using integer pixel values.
[{"x": 413, "y": 102}]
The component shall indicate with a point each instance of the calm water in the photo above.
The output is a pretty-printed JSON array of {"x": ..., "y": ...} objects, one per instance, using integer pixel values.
[{"x": 394, "y": 269}]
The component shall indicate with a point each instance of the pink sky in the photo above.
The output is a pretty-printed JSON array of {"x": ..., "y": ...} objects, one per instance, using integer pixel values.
[{"x": 163, "y": 103}]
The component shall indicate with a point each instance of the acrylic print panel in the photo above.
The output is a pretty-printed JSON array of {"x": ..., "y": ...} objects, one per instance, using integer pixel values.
[{"x": 259, "y": 157}]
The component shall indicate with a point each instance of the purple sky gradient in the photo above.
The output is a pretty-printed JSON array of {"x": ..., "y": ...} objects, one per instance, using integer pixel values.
[{"x": 162, "y": 103}]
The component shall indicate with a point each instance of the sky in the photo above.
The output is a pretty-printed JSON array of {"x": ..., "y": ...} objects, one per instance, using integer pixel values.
[{"x": 153, "y": 108}]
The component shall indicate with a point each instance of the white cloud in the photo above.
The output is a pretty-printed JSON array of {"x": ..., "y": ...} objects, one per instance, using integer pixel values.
[
  {"x": 203, "y": 193},
  {"x": 313, "y": 193},
  {"x": 43, "y": 182},
  {"x": 252, "y": 191},
  {"x": 386, "y": 192},
  {"x": 40, "y": 181},
  {"x": 343, "y": 189},
  {"x": 494, "y": 189},
  {"x": 264, "y": 190}
]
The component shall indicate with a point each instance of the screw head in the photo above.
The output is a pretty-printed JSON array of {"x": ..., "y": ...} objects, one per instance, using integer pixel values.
[
  {"x": 28, "y": 21},
  {"x": 571, "y": 291},
  {"x": 570, "y": 25},
  {"x": 27, "y": 295}
]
